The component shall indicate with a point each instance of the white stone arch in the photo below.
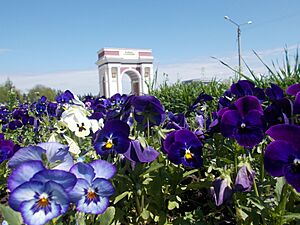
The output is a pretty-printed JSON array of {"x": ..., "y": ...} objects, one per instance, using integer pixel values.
[{"x": 113, "y": 63}]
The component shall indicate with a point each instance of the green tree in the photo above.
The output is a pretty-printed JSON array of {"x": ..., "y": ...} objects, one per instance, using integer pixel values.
[
  {"x": 7, "y": 89},
  {"x": 40, "y": 90}
]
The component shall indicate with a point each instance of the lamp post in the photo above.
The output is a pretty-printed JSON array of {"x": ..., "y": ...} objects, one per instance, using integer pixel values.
[{"x": 239, "y": 39}]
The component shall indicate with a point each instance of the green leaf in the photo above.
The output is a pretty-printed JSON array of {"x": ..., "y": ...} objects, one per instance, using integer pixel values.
[
  {"x": 189, "y": 172},
  {"x": 107, "y": 217},
  {"x": 153, "y": 167},
  {"x": 172, "y": 205},
  {"x": 278, "y": 189},
  {"x": 145, "y": 214},
  {"x": 121, "y": 196},
  {"x": 291, "y": 216},
  {"x": 12, "y": 217}
]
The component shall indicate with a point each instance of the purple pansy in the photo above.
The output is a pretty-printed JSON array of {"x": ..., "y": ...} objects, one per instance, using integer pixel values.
[
  {"x": 54, "y": 155},
  {"x": 65, "y": 97},
  {"x": 246, "y": 88},
  {"x": 148, "y": 110},
  {"x": 7, "y": 148},
  {"x": 183, "y": 146},
  {"x": 282, "y": 156},
  {"x": 92, "y": 190},
  {"x": 244, "y": 179},
  {"x": 221, "y": 191},
  {"x": 112, "y": 137},
  {"x": 274, "y": 92},
  {"x": 137, "y": 153},
  {"x": 244, "y": 123},
  {"x": 176, "y": 121}
]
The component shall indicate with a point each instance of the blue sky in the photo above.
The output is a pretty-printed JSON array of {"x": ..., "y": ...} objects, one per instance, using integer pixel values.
[{"x": 55, "y": 42}]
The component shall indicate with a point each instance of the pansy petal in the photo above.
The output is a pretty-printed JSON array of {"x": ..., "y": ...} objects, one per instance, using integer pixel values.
[
  {"x": 26, "y": 154},
  {"x": 170, "y": 139},
  {"x": 285, "y": 132},
  {"x": 61, "y": 197},
  {"x": 249, "y": 136},
  {"x": 105, "y": 188},
  {"x": 93, "y": 207},
  {"x": 293, "y": 89},
  {"x": 293, "y": 177},
  {"x": 247, "y": 103},
  {"x": 23, "y": 173},
  {"x": 66, "y": 179},
  {"x": 78, "y": 190},
  {"x": 82, "y": 170},
  {"x": 39, "y": 217},
  {"x": 116, "y": 127},
  {"x": 24, "y": 192},
  {"x": 277, "y": 156},
  {"x": 103, "y": 169},
  {"x": 297, "y": 104},
  {"x": 230, "y": 120},
  {"x": 186, "y": 136},
  {"x": 137, "y": 153}
]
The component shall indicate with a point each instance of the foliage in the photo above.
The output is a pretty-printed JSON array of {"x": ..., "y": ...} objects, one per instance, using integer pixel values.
[{"x": 40, "y": 90}]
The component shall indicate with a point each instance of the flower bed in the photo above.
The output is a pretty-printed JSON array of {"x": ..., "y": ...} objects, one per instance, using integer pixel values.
[{"x": 127, "y": 160}]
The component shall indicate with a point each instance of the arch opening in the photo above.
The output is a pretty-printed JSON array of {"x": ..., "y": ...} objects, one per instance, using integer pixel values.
[{"x": 131, "y": 82}]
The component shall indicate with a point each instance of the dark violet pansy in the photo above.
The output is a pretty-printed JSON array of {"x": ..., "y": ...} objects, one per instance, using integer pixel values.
[
  {"x": 274, "y": 92},
  {"x": 293, "y": 89},
  {"x": 52, "y": 109},
  {"x": 176, "y": 121},
  {"x": 246, "y": 88},
  {"x": 65, "y": 97},
  {"x": 282, "y": 156},
  {"x": 200, "y": 100},
  {"x": 7, "y": 149},
  {"x": 137, "y": 153},
  {"x": 53, "y": 155},
  {"x": 112, "y": 137},
  {"x": 148, "y": 110},
  {"x": 39, "y": 202},
  {"x": 244, "y": 123},
  {"x": 183, "y": 146},
  {"x": 92, "y": 191},
  {"x": 244, "y": 179},
  {"x": 221, "y": 191}
]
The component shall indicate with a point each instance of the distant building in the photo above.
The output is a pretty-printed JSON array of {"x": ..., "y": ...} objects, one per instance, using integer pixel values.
[
  {"x": 113, "y": 63},
  {"x": 196, "y": 80}
]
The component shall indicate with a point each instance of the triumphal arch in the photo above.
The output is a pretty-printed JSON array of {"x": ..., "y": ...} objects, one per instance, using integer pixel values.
[{"x": 113, "y": 63}]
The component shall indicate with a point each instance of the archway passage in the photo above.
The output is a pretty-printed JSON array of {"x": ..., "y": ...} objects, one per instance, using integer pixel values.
[
  {"x": 133, "y": 84},
  {"x": 114, "y": 64}
]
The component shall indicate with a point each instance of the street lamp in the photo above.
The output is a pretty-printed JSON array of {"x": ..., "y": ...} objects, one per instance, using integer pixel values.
[{"x": 239, "y": 38}]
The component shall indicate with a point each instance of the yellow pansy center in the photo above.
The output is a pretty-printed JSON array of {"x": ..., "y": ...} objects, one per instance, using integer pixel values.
[
  {"x": 91, "y": 195},
  {"x": 109, "y": 144},
  {"x": 43, "y": 200},
  {"x": 188, "y": 155}
]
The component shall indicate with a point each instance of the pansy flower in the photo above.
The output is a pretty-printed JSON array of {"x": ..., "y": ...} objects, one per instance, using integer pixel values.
[
  {"x": 244, "y": 179},
  {"x": 221, "y": 190},
  {"x": 65, "y": 97},
  {"x": 137, "y": 153},
  {"x": 282, "y": 156},
  {"x": 244, "y": 123},
  {"x": 295, "y": 91},
  {"x": 39, "y": 202},
  {"x": 183, "y": 146},
  {"x": 7, "y": 148},
  {"x": 54, "y": 155},
  {"x": 92, "y": 191},
  {"x": 112, "y": 137},
  {"x": 176, "y": 121},
  {"x": 246, "y": 88},
  {"x": 148, "y": 110}
]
